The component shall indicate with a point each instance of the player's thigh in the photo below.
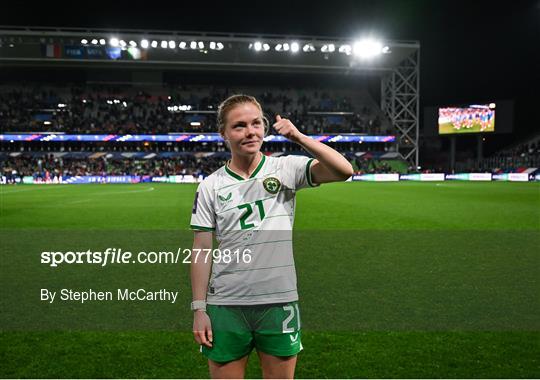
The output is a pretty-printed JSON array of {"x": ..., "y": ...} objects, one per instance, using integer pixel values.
[
  {"x": 232, "y": 336},
  {"x": 278, "y": 330},
  {"x": 234, "y": 369},
  {"x": 277, "y": 367}
]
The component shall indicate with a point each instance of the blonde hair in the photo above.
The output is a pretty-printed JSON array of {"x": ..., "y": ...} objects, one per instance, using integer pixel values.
[{"x": 232, "y": 101}]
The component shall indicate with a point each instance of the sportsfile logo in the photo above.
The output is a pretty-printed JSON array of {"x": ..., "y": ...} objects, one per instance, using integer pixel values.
[{"x": 119, "y": 256}]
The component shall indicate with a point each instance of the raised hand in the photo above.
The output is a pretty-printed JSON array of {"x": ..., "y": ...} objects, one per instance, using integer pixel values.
[{"x": 287, "y": 129}]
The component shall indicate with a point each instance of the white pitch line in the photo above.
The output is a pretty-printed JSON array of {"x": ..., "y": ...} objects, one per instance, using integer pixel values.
[{"x": 125, "y": 192}]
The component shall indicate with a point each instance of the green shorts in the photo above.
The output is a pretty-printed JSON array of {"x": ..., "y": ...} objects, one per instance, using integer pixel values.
[{"x": 273, "y": 329}]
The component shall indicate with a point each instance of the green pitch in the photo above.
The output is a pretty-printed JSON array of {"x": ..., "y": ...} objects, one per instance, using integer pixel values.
[
  {"x": 395, "y": 280},
  {"x": 448, "y": 128}
]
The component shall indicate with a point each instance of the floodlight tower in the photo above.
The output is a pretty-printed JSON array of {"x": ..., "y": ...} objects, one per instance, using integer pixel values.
[{"x": 400, "y": 100}]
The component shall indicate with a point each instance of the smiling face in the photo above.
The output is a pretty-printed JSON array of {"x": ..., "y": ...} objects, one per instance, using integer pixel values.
[{"x": 244, "y": 129}]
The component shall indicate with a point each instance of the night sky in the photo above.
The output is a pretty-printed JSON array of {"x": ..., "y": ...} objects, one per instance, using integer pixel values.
[{"x": 471, "y": 51}]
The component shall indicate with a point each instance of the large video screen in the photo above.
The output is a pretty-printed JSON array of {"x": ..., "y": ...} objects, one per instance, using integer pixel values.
[{"x": 475, "y": 118}]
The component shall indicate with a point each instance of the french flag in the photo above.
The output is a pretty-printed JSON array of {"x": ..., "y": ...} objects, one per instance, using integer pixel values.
[{"x": 52, "y": 51}]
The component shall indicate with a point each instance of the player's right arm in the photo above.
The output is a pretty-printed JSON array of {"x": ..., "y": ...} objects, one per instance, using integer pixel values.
[
  {"x": 203, "y": 224},
  {"x": 200, "y": 275}
]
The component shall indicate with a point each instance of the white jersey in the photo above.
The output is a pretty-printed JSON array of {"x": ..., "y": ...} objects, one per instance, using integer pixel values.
[{"x": 253, "y": 220}]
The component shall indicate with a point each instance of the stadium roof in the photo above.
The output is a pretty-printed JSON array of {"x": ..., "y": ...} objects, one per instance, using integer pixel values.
[{"x": 201, "y": 50}]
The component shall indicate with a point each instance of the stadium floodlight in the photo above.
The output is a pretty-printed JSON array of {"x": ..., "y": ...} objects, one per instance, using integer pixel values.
[
  {"x": 385, "y": 50},
  {"x": 122, "y": 43},
  {"x": 266, "y": 47},
  {"x": 193, "y": 45},
  {"x": 172, "y": 44},
  {"x": 212, "y": 45},
  {"x": 164, "y": 44},
  {"x": 201, "y": 45},
  {"x": 295, "y": 47},
  {"x": 286, "y": 47},
  {"x": 220, "y": 46},
  {"x": 84, "y": 41},
  {"x": 279, "y": 47},
  {"x": 182, "y": 45},
  {"x": 94, "y": 41},
  {"x": 144, "y": 44},
  {"x": 154, "y": 44},
  {"x": 308, "y": 48},
  {"x": 102, "y": 41},
  {"x": 367, "y": 48},
  {"x": 345, "y": 49},
  {"x": 132, "y": 43},
  {"x": 258, "y": 46},
  {"x": 114, "y": 42}
]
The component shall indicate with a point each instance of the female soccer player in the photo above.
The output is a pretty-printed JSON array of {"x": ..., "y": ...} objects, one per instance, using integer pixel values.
[{"x": 244, "y": 293}]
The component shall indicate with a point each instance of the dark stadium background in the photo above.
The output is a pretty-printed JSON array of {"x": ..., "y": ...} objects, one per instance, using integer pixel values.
[{"x": 471, "y": 51}]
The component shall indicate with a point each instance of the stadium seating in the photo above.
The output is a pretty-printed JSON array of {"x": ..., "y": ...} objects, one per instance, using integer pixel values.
[
  {"x": 155, "y": 110},
  {"x": 517, "y": 158}
]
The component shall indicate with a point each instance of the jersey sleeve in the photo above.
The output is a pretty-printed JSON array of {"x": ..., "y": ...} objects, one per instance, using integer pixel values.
[
  {"x": 203, "y": 211},
  {"x": 299, "y": 168}
]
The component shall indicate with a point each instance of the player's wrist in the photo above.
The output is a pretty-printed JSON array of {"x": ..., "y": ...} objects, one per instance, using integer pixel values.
[{"x": 198, "y": 305}]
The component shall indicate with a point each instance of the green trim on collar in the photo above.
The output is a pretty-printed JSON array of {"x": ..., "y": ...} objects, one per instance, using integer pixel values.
[
  {"x": 239, "y": 177},
  {"x": 258, "y": 168},
  {"x": 232, "y": 174}
]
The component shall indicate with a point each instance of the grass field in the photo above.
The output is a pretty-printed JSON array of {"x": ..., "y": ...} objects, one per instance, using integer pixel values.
[
  {"x": 448, "y": 128},
  {"x": 395, "y": 279}
]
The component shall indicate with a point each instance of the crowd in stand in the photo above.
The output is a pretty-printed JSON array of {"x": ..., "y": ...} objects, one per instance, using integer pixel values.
[
  {"x": 510, "y": 160},
  {"x": 97, "y": 110},
  {"x": 48, "y": 166},
  {"x": 530, "y": 148},
  {"x": 370, "y": 166}
]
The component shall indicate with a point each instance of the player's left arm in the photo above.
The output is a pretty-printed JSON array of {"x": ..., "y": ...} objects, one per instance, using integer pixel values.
[{"x": 328, "y": 166}]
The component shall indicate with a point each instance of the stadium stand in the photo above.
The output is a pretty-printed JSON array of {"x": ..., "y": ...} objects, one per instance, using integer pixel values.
[
  {"x": 523, "y": 157},
  {"x": 113, "y": 108},
  {"x": 126, "y": 109}
]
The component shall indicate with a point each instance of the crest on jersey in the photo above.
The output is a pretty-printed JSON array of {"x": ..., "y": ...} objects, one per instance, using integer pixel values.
[
  {"x": 272, "y": 185},
  {"x": 225, "y": 199}
]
